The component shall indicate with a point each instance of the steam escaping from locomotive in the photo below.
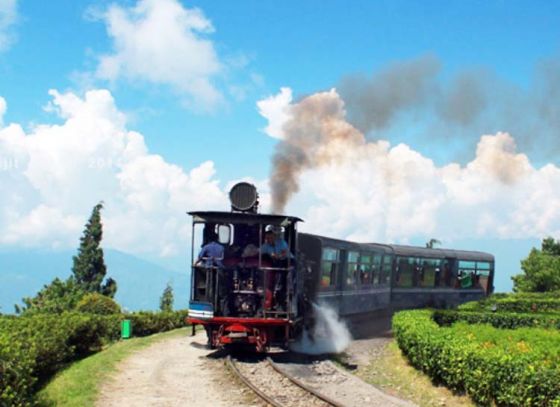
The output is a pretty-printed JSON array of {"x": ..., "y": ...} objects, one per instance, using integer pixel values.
[{"x": 329, "y": 334}]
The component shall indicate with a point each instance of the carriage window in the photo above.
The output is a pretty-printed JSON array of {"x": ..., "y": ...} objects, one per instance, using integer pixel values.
[
  {"x": 466, "y": 274},
  {"x": 329, "y": 267},
  {"x": 366, "y": 269},
  {"x": 224, "y": 234},
  {"x": 427, "y": 270},
  {"x": 482, "y": 275},
  {"x": 352, "y": 269},
  {"x": 406, "y": 267}
]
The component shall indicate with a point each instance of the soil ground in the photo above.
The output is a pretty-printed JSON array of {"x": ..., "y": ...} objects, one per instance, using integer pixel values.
[{"x": 175, "y": 372}]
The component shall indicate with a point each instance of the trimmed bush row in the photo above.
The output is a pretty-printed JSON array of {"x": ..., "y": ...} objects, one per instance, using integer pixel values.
[
  {"x": 506, "y": 367},
  {"x": 34, "y": 347},
  {"x": 523, "y": 303},
  {"x": 508, "y": 320}
]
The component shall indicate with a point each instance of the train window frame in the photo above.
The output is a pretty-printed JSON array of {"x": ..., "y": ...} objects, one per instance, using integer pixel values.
[
  {"x": 386, "y": 270},
  {"x": 421, "y": 262},
  {"x": 466, "y": 274},
  {"x": 411, "y": 262},
  {"x": 224, "y": 227},
  {"x": 351, "y": 281},
  {"x": 366, "y": 268},
  {"x": 334, "y": 264}
]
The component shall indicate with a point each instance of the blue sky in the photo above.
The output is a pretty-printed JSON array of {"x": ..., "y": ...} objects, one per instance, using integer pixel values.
[
  {"x": 263, "y": 46},
  {"x": 307, "y": 46}
]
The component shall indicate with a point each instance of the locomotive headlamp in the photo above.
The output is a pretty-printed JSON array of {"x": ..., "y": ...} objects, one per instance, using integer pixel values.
[{"x": 244, "y": 197}]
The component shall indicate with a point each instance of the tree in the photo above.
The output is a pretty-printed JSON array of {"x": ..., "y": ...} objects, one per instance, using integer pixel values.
[
  {"x": 430, "y": 244},
  {"x": 541, "y": 269},
  {"x": 89, "y": 268},
  {"x": 166, "y": 300}
]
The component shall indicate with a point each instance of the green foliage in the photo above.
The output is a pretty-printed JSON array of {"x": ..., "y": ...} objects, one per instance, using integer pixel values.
[
  {"x": 541, "y": 269},
  {"x": 89, "y": 268},
  {"x": 95, "y": 303},
  {"x": 56, "y": 297},
  {"x": 521, "y": 302},
  {"x": 109, "y": 289},
  {"x": 509, "y": 320},
  {"x": 493, "y": 366},
  {"x": 166, "y": 300},
  {"x": 34, "y": 346},
  {"x": 147, "y": 323},
  {"x": 550, "y": 246}
]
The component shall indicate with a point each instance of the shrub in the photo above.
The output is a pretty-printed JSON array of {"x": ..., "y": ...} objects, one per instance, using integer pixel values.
[
  {"x": 524, "y": 303},
  {"x": 95, "y": 303},
  {"x": 504, "y": 367},
  {"x": 34, "y": 346},
  {"x": 147, "y": 323},
  {"x": 509, "y": 320}
]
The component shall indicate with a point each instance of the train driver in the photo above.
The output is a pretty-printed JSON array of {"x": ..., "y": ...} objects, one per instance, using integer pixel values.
[{"x": 212, "y": 253}]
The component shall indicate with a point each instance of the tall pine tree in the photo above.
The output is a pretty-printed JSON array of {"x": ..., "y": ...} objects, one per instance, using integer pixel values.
[
  {"x": 89, "y": 268},
  {"x": 166, "y": 300}
]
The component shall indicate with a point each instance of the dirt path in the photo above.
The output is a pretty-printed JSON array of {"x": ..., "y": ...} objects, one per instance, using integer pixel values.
[{"x": 174, "y": 372}]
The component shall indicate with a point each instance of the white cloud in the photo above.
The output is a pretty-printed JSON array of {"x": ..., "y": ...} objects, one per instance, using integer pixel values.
[
  {"x": 8, "y": 17},
  {"x": 56, "y": 173},
  {"x": 162, "y": 42},
  {"x": 275, "y": 109},
  {"x": 372, "y": 191}
]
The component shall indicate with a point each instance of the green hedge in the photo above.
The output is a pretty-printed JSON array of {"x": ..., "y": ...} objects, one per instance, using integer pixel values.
[
  {"x": 508, "y": 320},
  {"x": 33, "y": 347},
  {"x": 524, "y": 303},
  {"x": 505, "y": 367},
  {"x": 147, "y": 323}
]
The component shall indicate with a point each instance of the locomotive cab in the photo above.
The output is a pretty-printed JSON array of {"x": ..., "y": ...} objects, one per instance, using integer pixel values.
[{"x": 244, "y": 284}]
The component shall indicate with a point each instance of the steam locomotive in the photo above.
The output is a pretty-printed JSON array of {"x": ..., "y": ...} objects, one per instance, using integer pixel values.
[{"x": 243, "y": 294}]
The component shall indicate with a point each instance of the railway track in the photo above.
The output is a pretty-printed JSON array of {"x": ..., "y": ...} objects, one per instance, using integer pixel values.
[{"x": 275, "y": 386}]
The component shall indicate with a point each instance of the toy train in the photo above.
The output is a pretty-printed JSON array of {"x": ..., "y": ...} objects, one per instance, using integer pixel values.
[{"x": 257, "y": 278}]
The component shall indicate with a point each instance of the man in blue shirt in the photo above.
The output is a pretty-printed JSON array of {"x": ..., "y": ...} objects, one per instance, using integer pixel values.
[
  {"x": 211, "y": 253},
  {"x": 276, "y": 248}
]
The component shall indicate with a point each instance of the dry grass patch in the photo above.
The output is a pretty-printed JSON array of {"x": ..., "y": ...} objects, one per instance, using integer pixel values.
[{"x": 393, "y": 374}]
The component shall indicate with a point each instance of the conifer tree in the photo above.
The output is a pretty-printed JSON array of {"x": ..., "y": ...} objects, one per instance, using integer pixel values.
[
  {"x": 89, "y": 268},
  {"x": 166, "y": 300}
]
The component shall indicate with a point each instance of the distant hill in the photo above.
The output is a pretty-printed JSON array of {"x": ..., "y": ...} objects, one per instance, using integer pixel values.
[{"x": 140, "y": 282}]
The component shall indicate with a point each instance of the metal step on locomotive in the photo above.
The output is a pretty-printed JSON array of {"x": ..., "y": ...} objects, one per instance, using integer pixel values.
[{"x": 255, "y": 279}]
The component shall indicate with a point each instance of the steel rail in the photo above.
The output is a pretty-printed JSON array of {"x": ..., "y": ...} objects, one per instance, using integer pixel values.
[
  {"x": 249, "y": 384},
  {"x": 302, "y": 385}
]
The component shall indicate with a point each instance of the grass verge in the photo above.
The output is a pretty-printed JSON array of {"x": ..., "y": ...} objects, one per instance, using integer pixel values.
[
  {"x": 78, "y": 384},
  {"x": 393, "y": 374}
]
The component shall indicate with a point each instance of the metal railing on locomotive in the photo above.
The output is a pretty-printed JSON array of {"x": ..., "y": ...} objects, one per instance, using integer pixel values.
[{"x": 212, "y": 280}]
